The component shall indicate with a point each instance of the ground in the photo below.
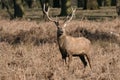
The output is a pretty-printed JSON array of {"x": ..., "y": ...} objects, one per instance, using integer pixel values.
[{"x": 29, "y": 51}]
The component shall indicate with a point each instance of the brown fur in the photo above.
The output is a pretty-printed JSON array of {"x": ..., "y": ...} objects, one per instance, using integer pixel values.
[{"x": 70, "y": 46}]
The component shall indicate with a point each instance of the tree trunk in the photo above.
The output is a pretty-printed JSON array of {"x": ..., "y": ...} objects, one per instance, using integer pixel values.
[
  {"x": 107, "y": 2},
  {"x": 85, "y": 4},
  {"x": 9, "y": 3},
  {"x": 113, "y": 2},
  {"x": 117, "y": 2},
  {"x": 80, "y": 3},
  {"x": 18, "y": 9},
  {"x": 118, "y": 7},
  {"x": 99, "y": 2},
  {"x": 65, "y": 7},
  {"x": 56, "y": 3},
  {"x": 6, "y": 5},
  {"x": 29, "y": 3},
  {"x": 92, "y": 4}
]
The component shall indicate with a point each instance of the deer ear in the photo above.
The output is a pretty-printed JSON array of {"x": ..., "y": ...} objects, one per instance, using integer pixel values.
[{"x": 57, "y": 24}]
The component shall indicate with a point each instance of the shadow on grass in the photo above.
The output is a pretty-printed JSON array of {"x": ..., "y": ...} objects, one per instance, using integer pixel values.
[
  {"x": 98, "y": 35},
  {"x": 37, "y": 37},
  {"x": 33, "y": 36}
]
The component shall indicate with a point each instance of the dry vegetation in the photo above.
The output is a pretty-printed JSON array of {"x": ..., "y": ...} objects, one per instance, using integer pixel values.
[{"x": 29, "y": 51}]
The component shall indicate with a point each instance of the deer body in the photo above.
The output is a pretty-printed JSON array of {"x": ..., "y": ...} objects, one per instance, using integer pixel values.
[
  {"x": 74, "y": 45},
  {"x": 71, "y": 46}
]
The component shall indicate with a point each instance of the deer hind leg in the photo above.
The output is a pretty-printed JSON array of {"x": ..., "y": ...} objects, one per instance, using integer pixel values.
[
  {"x": 82, "y": 57},
  {"x": 88, "y": 60}
]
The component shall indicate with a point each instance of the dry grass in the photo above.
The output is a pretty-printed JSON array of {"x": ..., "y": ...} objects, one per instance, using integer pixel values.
[{"x": 28, "y": 51}]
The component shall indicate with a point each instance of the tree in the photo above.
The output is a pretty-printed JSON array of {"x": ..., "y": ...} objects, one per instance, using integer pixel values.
[
  {"x": 2, "y": 4},
  {"x": 80, "y": 3},
  {"x": 29, "y": 3},
  {"x": 85, "y": 4},
  {"x": 9, "y": 3},
  {"x": 92, "y": 4},
  {"x": 99, "y": 2},
  {"x": 6, "y": 5},
  {"x": 107, "y": 2},
  {"x": 118, "y": 7},
  {"x": 65, "y": 7},
  {"x": 18, "y": 9},
  {"x": 113, "y": 2},
  {"x": 56, "y": 3}
]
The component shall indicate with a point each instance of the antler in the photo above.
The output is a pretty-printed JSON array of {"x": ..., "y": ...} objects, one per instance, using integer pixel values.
[
  {"x": 67, "y": 21},
  {"x": 47, "y": 14}
]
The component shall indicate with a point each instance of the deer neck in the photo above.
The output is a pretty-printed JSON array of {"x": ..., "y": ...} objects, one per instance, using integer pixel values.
[{"x": 61, "y": 39}]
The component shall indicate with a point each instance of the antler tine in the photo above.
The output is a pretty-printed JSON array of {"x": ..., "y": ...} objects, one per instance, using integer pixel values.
[
  {"x": 67, "y": 21},
  {"x": 47, "y": 14}
]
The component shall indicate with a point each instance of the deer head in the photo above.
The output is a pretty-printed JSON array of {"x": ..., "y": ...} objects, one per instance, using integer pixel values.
[{"x": 60, "y": 27}]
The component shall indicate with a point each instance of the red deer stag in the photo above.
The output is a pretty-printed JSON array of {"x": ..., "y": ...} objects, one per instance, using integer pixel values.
[{"x": 70, "y": 46}]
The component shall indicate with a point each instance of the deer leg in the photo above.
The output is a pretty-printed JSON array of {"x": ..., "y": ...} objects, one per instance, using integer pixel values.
[
  {"x": 64, "y": 56},
  {"x": 64, "y": 60},
  {"x": 88, "y": 60},
  {"x": 69, "y": 59},
  {"x": 82, "y": 57}
]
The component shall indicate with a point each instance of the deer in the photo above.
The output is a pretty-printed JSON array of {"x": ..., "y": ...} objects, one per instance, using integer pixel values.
[{"x": 71, "y": 46}]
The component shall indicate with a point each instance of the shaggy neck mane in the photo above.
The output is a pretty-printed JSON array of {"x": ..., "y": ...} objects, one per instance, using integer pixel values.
[{"x": 61, "y": 39}]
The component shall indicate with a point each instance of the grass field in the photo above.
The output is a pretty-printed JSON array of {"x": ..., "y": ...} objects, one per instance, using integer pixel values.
[{"x": 29, "y": 51}]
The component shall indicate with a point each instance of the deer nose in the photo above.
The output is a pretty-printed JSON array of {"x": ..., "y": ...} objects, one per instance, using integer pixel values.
[{"x": 61, "y": 31}]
